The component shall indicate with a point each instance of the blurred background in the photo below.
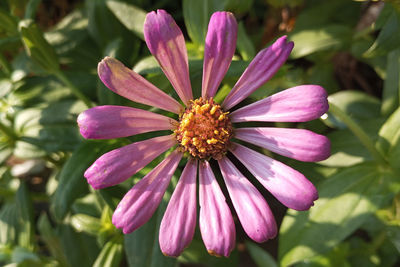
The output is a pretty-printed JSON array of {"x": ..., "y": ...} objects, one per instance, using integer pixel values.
[{"x": 49, "y": 51}]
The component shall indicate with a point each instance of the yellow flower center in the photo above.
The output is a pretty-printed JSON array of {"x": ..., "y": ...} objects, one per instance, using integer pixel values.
[{"x": 204, "y": 129}]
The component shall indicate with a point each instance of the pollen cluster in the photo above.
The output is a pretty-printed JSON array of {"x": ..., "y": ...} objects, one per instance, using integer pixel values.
[{"x": 204, "y": 129}]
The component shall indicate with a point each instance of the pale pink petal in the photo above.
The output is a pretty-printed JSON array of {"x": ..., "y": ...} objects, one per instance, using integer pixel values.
[
  {"x": 265, "y": 64},
  {"x": 167, "y": 44},
  {"x": 298, "y": 144},
  {"x": 216, "y": 223},
  {"x": 297, "y": 104},
  {"x": 253, "y": 211},
  {"x": 179, "y": 221},
  {"x": 219, "y": 48},
  {"x": 139, "y": 204},
  {"x": 119, "y": 164},
  {"x": 107, "y": 122},
  {"x": 131, "y": 85},
  {"x": 289, "y": 186}
]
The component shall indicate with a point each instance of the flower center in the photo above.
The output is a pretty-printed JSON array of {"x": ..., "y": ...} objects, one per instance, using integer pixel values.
[{"x": 204, "y": 129}]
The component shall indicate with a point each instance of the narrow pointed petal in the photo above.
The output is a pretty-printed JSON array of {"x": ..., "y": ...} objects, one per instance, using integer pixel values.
[
  {"x": 132, "y": 86},
  {"x": 298, "y": 144},
  {"x": 289, "y": 186},
  {"x": 265, "y": 64},
  {"x": 253, "y": 211},
  {"x": 219, "y": 48},
  {"x": 297, "y": 104},
  {"x": 139, "y": 204},
  {"x": 107, "y": 122},
  {"x": 167, "y": 44},
  {"x": 116, "y": 166},
  {"x": 179, "y": 221},
  {"x": 216, "y": 223}
]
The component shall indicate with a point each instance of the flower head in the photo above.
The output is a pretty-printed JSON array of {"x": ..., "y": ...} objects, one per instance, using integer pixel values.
[{"x": 204, "y": 130}]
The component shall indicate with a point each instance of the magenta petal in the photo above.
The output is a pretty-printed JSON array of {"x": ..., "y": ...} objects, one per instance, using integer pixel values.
[
  {"x": 179, "y": 221},
  {"x": 289, "y": 186},
  {"x": 131, "y": 85},
  {"x": 253, "y": 211},
  {"x": 139, "y": 204},
  {"x": 119, "y": 164},
  {"x": 167, "y": 44},
  {"x": 219, "y": 48},
  {"x": 107, "y": 122},
  {"x": 297, "y": 104},
  {"x": 298, "y": 144},
  {"x": 261, "y": 69},
  {"x": 216, "y": 222}
]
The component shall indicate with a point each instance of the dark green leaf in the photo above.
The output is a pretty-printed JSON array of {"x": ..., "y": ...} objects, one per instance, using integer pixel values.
[
  {"x": 111, "y": 254},
  {"x": 346, "y": 148},
  {"x": 141, "y": 246},
  {"x": 389, "y": 139},
  {"x": 244, "y": 44},
  {"x": 197, "y": 15},
  {"x": 391, "y": 86},
  {"x": 25, "y": 218},
  {"x": 36, "y": 46},
  {"x": 347, "y": 199},
  {"x": 72, "y": 184},
  {"x": 388, "y": 38},
  {"x": 261, "y": 257},
  {"x": 51, "y": 239},
  {"x": 130, "y": 16},
  {"x": 329, "y": 37}
]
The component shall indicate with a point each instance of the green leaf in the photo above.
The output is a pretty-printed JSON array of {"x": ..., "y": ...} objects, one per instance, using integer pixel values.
[
  {"x": 347, "y": 199},
  {"x": 129, "y": 15},
  {"x": 8, "y": 223},
  {"x": 388, "y": 38},
  {"x": 389, "y": 139},
  {"x": 25, "y": 218},
  {"x": 356, "y": 104},
  {"x": 197, "y": 15},
  {"x": 346, "y": 148},
  {"x": 72, "y": 184},
  {"x": 111, "y": 254},
  {"x": 329, "y": 37},
  {"x": 8, "y": 23},
  {"x": 244, "y": 44},
  {"x": 391, "y": 85},
  {"x": 36, "y": 46},
  {"x": 86, "y": 223},
  {"x": 260, "y": 256},
  {"x": 69, "y": 32},
  {"x": 51, "y": 239},
  {"x": 142, "y": 247},
  {"x": 79, "y": 248}
]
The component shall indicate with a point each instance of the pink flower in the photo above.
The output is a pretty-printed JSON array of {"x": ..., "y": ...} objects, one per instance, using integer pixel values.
[{"x": 203, "y": 130}]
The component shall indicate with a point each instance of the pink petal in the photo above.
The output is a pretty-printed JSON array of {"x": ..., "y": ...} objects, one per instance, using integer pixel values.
[
  {"x": 179, "y": 221},
  {"x": 261, "y": 69},
  {"x": 116, "y": 166},
  {"x": 139, "y": 204},
  {"x": 219, "y": 48},
  {"x": 167, "y": 44},
  {"x": 131, "y": 85},
  {"x": 298, "y": 144},
  {"x": 289, "y": 186},
  {"x": 252, "y": 209},
  {"x": 216, "y": 223},
  {"x": 297, "y": 104},
  {"x": 107, "y": 122}
]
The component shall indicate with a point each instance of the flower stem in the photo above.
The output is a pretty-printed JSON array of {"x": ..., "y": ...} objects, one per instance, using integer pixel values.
[
  {"x": 357, "y": 131},
  {"x": 61, "y": 76}
]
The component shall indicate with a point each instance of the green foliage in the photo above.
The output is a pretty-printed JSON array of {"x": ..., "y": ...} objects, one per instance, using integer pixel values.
[{"x": 48, "y": 75}]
